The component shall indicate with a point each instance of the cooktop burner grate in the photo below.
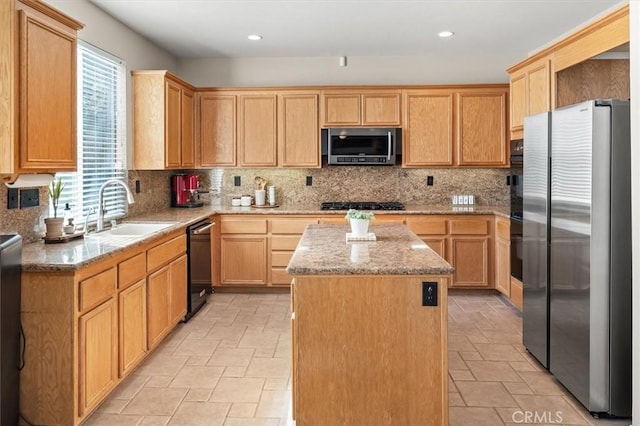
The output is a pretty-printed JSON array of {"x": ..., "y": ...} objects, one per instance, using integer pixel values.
[{"x": 362, "y": 205}]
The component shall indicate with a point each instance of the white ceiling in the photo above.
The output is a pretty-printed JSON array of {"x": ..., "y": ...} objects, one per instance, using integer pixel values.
[{"x": 317, "y": 28}]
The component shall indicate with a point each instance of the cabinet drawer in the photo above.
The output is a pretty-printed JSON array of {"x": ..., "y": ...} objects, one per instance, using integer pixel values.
[
  {"x": 290, "y": 226},
  {"x": 284, "y": 242},
  {"x": 243, "y": 226},
  {"x": 427, "y": 226},
  {"x": 281, "y": 258},
  {"x": 132, "y": 270},
  {"x": 161, "y": 254},
  {"x": 97, "y": 289},
  {"x": 502, "y": 229},
  {"x": 279, "y": 276},
  {"x": 469, "y": 227}
]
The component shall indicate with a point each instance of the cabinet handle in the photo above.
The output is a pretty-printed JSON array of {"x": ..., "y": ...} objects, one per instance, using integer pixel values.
[{"x": 389, "y": 148}]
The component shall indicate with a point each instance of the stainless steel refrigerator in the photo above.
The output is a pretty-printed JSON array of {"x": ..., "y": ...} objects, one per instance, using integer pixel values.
[{"x": 577, "y": 250}]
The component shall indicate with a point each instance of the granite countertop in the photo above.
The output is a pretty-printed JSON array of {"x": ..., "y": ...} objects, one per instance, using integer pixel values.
[
  {"x": 78, "y": 253},
  {"x": 323, "y": 250}
]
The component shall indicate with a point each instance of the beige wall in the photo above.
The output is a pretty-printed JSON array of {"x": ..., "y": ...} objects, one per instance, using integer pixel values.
[{"x": 426, "y": 69}]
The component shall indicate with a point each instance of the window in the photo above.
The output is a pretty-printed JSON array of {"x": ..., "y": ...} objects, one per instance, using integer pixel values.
[{"x": 101, "y": 136}]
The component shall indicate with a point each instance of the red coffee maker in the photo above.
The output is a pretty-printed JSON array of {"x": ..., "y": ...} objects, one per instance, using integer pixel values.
[{"x": 184, "y": 190}]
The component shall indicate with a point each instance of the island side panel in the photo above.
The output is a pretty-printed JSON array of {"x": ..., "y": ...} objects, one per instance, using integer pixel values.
[{"x": 367, "y": 352}]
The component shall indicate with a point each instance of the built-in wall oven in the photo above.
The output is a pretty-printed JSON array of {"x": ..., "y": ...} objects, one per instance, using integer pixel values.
[
  {"x": 199, "y": 266},
  {"x": 515, "y": 183}
]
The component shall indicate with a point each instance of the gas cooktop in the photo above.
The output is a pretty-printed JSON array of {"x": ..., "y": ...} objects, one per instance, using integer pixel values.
[{"x": 362, "y": 205}]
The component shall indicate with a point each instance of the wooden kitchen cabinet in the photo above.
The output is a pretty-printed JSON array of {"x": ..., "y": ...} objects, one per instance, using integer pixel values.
[
  {"x": 469, "y": 251},
  {"x": 86, "y": 329},
  {"x": 163, "y": 121},
  {"x": 285, "y": 233},
  {"x": 482, "y": 138},
  {"x": 217, "y": 129},
  {"x": 530, "y": 94},
  {"x": 431, "y": 230},
  {"x": 503, "y": 256},
  {"x": 350, "y": 107},
  {"x": 298, "y": 130},
  {"x": 427, "y": 137},
  {"x": 37, "y": 88},
  {"x": 98, "y": 354},
  {"x": 243, "y": 251},
  {"x": 257, "y": 130}
]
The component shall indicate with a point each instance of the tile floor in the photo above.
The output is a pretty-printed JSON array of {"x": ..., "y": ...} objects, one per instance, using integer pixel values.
[{"x": 230, "y": 365}]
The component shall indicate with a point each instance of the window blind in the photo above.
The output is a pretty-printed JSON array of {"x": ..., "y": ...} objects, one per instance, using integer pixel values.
[{"x": 101, "y": 137}]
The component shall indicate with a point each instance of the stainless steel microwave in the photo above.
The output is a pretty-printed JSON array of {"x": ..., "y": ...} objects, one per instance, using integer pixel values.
[{"x": 361, "y": 146}]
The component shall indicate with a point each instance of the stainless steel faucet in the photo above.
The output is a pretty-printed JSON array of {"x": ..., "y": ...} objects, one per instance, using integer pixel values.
[{"x": 130, "y": 200}]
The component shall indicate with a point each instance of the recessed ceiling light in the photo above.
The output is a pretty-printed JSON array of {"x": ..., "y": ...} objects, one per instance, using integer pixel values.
[
  {"x": 445, "y": 34},
  {"x": 254, "y": 37}
]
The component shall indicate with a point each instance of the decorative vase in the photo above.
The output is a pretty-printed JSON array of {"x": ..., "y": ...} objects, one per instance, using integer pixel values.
[
  {"x": 359, "y": 227},
  {"x": 54, "y": 226}
]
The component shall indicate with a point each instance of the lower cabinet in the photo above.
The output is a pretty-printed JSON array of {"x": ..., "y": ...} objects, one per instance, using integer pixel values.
[
  {"x": 243, "y": 251},
  {"x": 503, "y": 256},
  {"x": 166, "y": 299},
  {"x": 98, "y": 354},
  {"x": 132, "y": 326},
  {"x": 86, "y": 329},
  {"x": 470, "y": 256},
  {"x": 285, "y": 235}
]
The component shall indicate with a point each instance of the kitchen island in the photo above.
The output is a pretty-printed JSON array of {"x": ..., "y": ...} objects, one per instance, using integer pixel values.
[{"x": 365, "y": 348}]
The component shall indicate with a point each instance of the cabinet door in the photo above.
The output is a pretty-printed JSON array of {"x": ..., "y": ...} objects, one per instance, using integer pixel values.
[
  {"x": 341, "y": 109},
  {"x": 158, "y": 285},
  {"x": 172, "y": 126},
  {"x": 539, "y": 90},
  {"x": 187, "y": 141},
  {"x": 217, "y": 137},
  {"x": 470, "y": 258},
  {"x": 482, "y": 135},
  {"x": 257, "y": 134},
  {"x": 428, "y": 129},
  {"x": 298, "y": 133},
  {"x": 47, "y": 113},
  {"x": 436, "y": 244},
  {"x": 178, "y": 293},
  {"x": 518, "y": 104},
  {"x": 381, "y": 109},
  {"x": 503, "y": 256},
  {"x": 243, "y": 260},
  {"x": 98, "y": 354},
  {"x": 132, "y": 306}
]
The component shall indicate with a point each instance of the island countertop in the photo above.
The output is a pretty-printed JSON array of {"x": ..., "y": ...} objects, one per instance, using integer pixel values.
[{"x": 324, "y": 250}]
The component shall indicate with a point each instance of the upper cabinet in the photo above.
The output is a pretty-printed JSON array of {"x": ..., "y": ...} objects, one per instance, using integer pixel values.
[
  {"x": 482, "y": 127},
  {"x": 463, "y": 126},
  {"x": 270, "y": 128},
  {"x": 530, "y": 93},
  {"x": 562, "y": 73},
  {"x": 163, "y": 121},
  {"x": 298, "y": 130},
  {"x": 350, "y": 107},
  {"x": 38, "y": 90},
  {"x": 257, "y": 130}
]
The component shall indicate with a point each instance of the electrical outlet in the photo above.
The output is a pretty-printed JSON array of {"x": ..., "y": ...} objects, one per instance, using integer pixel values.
[
  {"x": 236, "y": 181},
  {"x": 12, "y": 198},
  {"x": 137, "y": 186},
  {"x": 429, "y": 293},
  {"x": 430, "y": 180},
  {"x": 29, "y": 198},
  {"x": 309, "y": 180}
]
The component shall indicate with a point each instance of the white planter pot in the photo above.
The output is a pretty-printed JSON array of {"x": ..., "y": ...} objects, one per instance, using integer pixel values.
[
  {"x": 359, "y": 227},
  {"x": 54, "y": 226}
]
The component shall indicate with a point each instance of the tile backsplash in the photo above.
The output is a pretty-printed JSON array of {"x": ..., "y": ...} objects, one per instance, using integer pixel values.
[{"x": 337, "y": 183}]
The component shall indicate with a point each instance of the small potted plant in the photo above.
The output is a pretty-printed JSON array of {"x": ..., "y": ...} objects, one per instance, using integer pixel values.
[
  {"x": 359, "y": 221},
  {"x": 54, "y": 224}
]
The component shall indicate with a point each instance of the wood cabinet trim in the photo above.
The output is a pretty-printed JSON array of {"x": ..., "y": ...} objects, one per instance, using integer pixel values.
[
  {"x": 54, "y": 14},
  {"x": 95, "y": 290}
]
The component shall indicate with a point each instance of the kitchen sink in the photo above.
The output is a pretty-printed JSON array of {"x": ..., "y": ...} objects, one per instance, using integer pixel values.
[
  {"x": 128, "y": 232},
  {"x": 138, "y": 229}
]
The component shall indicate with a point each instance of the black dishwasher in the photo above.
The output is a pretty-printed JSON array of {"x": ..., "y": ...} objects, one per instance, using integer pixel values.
[
  {"x": 199, "y": 266},
  {"x": 10, "y": 273}
]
